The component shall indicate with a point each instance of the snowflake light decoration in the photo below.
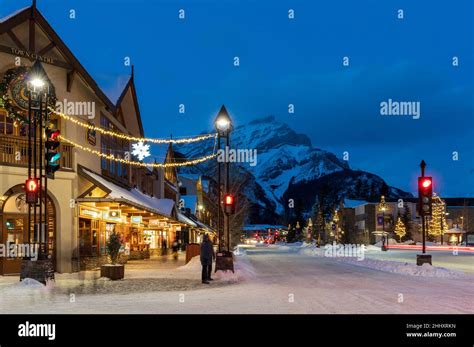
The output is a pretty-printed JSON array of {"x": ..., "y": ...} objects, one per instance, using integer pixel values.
[{"x": 140, "y": 150}]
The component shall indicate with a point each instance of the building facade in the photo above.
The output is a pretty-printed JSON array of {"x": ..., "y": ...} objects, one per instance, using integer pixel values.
[
  {"x": 370, "y": 222},
  {"x": 90, "y": 196}
]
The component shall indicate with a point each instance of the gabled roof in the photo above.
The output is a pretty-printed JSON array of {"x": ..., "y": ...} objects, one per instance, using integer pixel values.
[
  {"x": 32, "y": 12},
  {"x": 131, "y": 85}
]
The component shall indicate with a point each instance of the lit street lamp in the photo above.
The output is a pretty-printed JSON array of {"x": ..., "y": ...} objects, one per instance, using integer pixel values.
[
  {"x": 223, "y": 126},
  {"x": 383, "y": 208},
  {"x": 38, "y": 90},
  {"x": 336, "y": 220},
  {"x": 309, "y": 235}
]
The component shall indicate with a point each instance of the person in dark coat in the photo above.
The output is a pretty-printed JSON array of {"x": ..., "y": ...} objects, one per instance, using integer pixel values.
[{"x": 207, "y": 255}]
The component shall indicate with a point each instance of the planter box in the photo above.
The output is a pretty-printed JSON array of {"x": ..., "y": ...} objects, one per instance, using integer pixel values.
[
  {"x": 224, "y": 261},
  {"x": 423, "y": 259},
  {"x": 114, "y": 272}
]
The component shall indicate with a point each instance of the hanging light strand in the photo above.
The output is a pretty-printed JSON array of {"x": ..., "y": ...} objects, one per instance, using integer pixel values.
[
  {"x": 128, "y": 137},
  {"x": 137, "y": 163}
]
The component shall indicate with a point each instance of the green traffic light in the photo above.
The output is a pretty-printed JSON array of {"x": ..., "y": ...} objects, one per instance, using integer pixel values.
[{"x": 55, "y": 157}]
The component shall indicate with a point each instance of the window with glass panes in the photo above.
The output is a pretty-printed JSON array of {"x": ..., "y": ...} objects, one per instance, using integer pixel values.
[
  {"x": 116, "y": 147},
  {"x": 9, "y": 127}
]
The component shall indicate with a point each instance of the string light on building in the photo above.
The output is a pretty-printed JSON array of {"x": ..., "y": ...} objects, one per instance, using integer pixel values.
[
  {"x": 128, "y": 137},
  {"x": 137, "y": 163}
]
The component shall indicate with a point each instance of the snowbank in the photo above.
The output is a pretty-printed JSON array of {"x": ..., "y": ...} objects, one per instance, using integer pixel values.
[
  {"x": 194, "y": 266},
  {"x": 312, "y": 251},
  {"x": 390, "y": 242},
  {"x": 426, "y": 270},
  {"x": 242, "y": 269},
  {"x": 403, "y": 268},
  {"x": 240, "y": 251}
]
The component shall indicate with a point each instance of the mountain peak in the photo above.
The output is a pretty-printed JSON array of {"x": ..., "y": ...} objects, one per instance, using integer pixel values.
[
  {"x": 266, "y": 119},
  {"x": 266, "y": 133}
]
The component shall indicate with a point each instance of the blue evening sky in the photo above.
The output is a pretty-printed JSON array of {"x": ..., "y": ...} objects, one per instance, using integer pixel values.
[{"x": 296, "y": 61}]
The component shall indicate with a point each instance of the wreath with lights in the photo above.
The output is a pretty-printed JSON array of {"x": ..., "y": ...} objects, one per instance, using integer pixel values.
[{"x": 13, "y": 94}]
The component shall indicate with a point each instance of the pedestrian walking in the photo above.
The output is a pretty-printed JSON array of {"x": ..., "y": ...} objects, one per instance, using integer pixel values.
[{"x": 175, "y": 247}]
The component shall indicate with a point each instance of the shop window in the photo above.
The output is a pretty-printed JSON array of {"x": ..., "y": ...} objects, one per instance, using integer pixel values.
[{"x": 117, "y": 147}]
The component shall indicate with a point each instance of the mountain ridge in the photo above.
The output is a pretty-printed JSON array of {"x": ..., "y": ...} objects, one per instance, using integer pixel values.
[{"x": 288, "y": 165}]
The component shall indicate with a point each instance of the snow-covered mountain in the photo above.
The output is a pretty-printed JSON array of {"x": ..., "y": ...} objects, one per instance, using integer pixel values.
[{"x": 289, "y": 167}]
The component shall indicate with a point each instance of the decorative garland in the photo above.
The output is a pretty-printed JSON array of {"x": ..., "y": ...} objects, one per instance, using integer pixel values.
[
  {"x": 136, "y": 163},
  {"x": 18, "y": 114},
  {"x": 119, "y": 135}
]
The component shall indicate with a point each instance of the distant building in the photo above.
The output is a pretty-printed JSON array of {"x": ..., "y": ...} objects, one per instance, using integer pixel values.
[{"x": 370, "y": 222}]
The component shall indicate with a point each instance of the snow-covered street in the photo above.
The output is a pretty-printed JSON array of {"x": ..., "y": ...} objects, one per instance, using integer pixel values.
[{"x": 275, "y": 279}]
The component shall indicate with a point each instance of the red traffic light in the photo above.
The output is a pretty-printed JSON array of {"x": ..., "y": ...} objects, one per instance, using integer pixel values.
[
  {"x": 229, "y": 200},
  {"x": 31, "y": 185},
  {"x": 229, "y": 204},
  {"x": 426, "y": 183},
  {"x": 425, "y": 195},
  {"x": 31, "y": 189},
  {"x": 52, "y": 134}
]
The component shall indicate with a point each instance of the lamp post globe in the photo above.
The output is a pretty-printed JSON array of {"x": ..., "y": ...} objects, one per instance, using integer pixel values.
[
  {"x": 37, "y": 82},
  {"x": 223, "y": 123}
]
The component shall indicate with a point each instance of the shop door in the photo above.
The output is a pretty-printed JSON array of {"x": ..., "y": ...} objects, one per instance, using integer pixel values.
[
  {"x": 13, "y": 232},
  {"x": 85, "y": 237}
]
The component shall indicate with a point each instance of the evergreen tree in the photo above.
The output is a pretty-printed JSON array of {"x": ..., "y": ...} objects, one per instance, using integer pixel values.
[
  {"x": 400, "y": 228},
  {"x": 437, "y": 225},
  {"x": 406, "y": 219},
  {"x": 290, "y": 237}
]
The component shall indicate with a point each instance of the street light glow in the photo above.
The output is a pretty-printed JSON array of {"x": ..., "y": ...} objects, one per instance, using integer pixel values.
[
  {"x": 223, "y": 124},
  {"x": 37, "y": 83}
]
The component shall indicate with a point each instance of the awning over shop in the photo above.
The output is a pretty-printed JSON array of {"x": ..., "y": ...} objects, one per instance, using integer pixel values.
[
  {"x": 204, "y": 226},
  {"x": 133, "y": 197},
  {"x": 183, "y": 219}
]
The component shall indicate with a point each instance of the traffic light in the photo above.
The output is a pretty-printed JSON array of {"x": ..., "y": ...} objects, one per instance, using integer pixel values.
[
  {"x": 52, "y": 154},
  {"x": 31, "y": 189},
  {"x": 425, "y": 195},
  {"x": 229, "y": 205}
]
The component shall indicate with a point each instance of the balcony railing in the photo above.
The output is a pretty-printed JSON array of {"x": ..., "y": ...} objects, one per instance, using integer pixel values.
[{"x": 14, "y": 151}]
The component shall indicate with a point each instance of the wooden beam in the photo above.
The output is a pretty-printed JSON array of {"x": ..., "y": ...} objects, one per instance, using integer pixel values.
[
  {"x": 15, "y": 21},
  {"x": 47, "y": 48},
  {"x": 15, "y": 39},
  {"x": 32, "y": 36},
  {"x": 70, "y": 78},
  {"x": 26, "y": 54}
]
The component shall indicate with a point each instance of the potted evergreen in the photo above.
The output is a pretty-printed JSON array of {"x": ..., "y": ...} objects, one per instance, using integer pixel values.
[{"x": 114, "y": 271}]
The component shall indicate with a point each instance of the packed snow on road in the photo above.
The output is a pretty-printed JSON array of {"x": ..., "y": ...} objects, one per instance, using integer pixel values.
[{"x": 292, "y": 278}]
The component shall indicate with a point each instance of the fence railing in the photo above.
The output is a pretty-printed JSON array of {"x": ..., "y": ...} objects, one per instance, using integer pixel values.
[{"x": 14, "y": 151}]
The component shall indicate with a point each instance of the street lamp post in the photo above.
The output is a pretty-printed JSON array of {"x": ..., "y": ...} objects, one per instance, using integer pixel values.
[
  {"x": 223, "y": 125},
  {"x": 309, "y": 235},
  {"x": 442, "y": 226},
  {"x": 336, "y": 220},
  {"x": 382, "y": 208},
  {"x": 38, "y": 91}
]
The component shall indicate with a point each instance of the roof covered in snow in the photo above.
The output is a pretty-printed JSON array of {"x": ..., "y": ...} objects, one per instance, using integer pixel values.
[
  {"x": 183, "y": 219},
  {"x": 160, "y": 206}
]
